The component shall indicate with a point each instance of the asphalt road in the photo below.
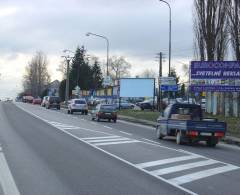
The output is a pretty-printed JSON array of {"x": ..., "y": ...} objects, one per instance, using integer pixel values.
[{"x": 51, "y": 152}]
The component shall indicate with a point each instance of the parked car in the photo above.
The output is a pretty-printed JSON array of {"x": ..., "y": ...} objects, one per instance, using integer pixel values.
[
  {"x": 37, "y": 101},
  {"x": 28, "y": 99},
  {"x": 104, "y": 111},
  {"x": 44, "y": 100},
  {"x": 186, "y": 122},
  {"x": 190, "y": 101},
  {"x": 52, "y": 102},
  {"x": 146, "y": 105},
  {"x": 78, "y": 105},
  {"x": 124, "y": 105}
]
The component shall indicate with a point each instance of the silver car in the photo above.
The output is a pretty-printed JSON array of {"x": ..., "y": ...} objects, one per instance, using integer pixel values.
[{"x": 78, "y": 105}]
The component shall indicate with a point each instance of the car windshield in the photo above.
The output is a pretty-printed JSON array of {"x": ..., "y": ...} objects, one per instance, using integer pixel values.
[
  {"x": 108, "y": 108},
  {"x": 80, "y": 102},
  {"x": 54, "y": 99}
]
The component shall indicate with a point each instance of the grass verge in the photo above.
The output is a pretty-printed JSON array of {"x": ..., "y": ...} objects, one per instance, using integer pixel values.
[{"x": 146, "y": 115}]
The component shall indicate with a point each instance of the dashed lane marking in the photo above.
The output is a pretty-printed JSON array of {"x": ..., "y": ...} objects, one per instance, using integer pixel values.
[
  {"x": 125, "y": 133},
  {"x": 107, "y": 127}
]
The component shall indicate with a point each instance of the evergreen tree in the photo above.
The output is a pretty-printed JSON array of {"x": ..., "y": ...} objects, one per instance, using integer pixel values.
[
  {"x": 97, "y": 77},
  {"x": 80, "y": 72},
  {"x": 62, "y": 88}
]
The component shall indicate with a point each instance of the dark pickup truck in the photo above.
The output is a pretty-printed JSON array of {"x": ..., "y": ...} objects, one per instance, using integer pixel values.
[{"x": 186, "y": 122}]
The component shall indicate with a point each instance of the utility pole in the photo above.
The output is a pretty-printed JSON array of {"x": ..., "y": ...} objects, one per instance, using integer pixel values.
[
  {"x": 160, "y": 56},
  {"x": 68, "y": 59},
  {"x": 67, "y": 82}
]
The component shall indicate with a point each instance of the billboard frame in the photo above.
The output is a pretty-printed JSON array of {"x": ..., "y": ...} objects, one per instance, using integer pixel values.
[{"x": 154, "y": 86}]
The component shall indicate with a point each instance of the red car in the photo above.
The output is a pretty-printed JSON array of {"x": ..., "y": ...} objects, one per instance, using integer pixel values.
[{"x": 37, "y": 101}]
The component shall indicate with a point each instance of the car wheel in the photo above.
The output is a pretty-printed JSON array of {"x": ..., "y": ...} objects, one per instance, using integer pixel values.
[
  {"x": 211, "y": 142},
  {"x": 68, "y": 111},
  {"x": 98, "y": 119},
  {"x": 71, "y": 112},
  {"x": 179, "y": 138},
  {"x": 93, "y": 119},
  {"x": 115, "y": 120},
  {"x": 86, "y": 112},
  {"x": 158, "y": 133}
]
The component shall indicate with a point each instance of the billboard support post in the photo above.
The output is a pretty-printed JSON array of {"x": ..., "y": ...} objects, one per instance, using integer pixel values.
[{"x": 154, "y": 94}]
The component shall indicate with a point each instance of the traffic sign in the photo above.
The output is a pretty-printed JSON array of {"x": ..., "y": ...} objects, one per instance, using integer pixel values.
[
  {"x": 169, "y": 87},
  {"x": 167, "y": 80},
  {"x": 107, "y": 81}
]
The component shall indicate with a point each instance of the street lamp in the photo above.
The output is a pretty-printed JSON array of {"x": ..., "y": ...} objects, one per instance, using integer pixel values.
[
  {"x": 170, "y": 33},
  {"x": 68, "y": 59},
  {"x": 107, "y": 41}
]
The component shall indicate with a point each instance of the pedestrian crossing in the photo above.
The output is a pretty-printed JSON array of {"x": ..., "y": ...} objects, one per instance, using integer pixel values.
[
  {"x": 63, "y": 126},
  {"x": 178, "y": 170},
  {"x": 109, "y": 140},
  {"x": 177, "y": 165}
]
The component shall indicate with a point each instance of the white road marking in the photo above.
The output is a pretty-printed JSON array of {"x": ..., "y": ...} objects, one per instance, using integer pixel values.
[
  {"x": 125, "y": 133},
  {"x": 107, "y": 127},
  {"x": 70, "y": 128},
  {"x": 113, "y": 143},
  {"x": 63, "y": 125},
  {"x": 6, "y": 179},
  {"x": 202, "y": 174},
  {"x": 183, "y": 167},
  {"x": 92, "y": 138},
  {"x": 113, "y": 155},
  {"x": 108, "y": 140},
  {"x": 151, "y": 141},
  {"x": 165, "y": 161}
]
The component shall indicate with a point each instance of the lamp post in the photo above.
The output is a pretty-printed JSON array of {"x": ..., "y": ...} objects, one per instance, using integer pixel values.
[
  {"x": 170, "y": 34},
  {"x": 68, "y": 59},
  {"x": 107, "y": 41}
]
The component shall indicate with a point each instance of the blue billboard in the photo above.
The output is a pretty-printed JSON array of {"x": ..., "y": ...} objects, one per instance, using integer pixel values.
[{"x": 219, "y": 76}]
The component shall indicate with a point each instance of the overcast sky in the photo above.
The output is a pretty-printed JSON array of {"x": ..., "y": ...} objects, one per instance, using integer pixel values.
[{"x": 137, "y": 29}]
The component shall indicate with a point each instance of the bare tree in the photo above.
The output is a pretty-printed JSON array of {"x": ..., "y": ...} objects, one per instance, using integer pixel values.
[
  {"x": 211, "y": 36},
  {"x": 62, "y": 68},
  {"x": 210, "y": 27},
  {"x": 234, "y": 20},
  {"x": 119, "y": 67},
  {"x": 37, "y": 77},
  {"x": 148, "y": 73}
]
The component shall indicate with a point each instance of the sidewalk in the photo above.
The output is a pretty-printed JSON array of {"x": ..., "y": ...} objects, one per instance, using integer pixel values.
[{"x": 227, "y": 139}]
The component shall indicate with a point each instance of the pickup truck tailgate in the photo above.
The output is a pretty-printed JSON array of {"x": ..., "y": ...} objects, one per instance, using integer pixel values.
[{"x": 206, "y": 126}]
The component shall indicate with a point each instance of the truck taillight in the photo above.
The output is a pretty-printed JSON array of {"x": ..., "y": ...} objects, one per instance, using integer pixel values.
[
  {"x": 193, "y": 133},
  {"x": 219, "y": 134}
]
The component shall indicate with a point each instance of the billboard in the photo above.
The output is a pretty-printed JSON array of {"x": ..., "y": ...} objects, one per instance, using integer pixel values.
[
  {"x": 137, "y": 87},
  {"x": 220, "y": 76}
]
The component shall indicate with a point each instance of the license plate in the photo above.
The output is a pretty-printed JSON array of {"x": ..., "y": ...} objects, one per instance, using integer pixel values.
[
  {"x": 206, "y": 134},
  {"x": 108, "y": 113}
]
